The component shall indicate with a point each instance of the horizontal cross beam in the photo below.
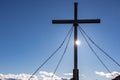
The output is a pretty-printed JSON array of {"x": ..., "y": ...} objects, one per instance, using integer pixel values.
[{"x": 76, "y": 21}]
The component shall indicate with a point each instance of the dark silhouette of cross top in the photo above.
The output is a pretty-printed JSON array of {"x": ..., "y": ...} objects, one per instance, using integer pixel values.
[{"x": 75, "y": 23}]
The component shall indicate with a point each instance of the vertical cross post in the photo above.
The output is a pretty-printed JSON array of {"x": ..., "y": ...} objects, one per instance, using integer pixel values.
[{"x": 75, "y": 24}]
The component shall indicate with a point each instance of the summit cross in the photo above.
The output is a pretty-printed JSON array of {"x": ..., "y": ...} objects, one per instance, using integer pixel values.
[{"x": 75, "y": 23}]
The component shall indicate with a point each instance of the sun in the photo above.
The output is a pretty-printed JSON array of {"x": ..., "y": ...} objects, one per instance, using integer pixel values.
[{"x": 77, "y": 42}]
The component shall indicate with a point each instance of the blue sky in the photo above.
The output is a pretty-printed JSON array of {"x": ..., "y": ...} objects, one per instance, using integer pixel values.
[{"x": 28, "y": 37}]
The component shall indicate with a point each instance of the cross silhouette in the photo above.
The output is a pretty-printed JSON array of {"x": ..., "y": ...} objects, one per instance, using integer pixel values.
[{"x": 75, "y": 23}]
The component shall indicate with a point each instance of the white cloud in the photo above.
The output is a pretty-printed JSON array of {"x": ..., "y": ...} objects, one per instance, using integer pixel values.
[
  {"x": 17, "y": 77},
  {"x": 68, "y": 74},
  {"x": 108, "y": 75},
  {"x": 43, "y": 75},
  {"x": 48, "y": 75}
]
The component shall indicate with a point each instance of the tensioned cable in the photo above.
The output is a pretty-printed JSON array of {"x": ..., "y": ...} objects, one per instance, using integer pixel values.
[
  {"x": 62, "y": 55},
  {"x": 95, "y": 52},
  {"x": 100, "y": 47},
  {"x": 51, "y": 54}
]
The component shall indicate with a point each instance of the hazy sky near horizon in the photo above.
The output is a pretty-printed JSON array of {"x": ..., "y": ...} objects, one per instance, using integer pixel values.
[{"x": 28, "y": 37}]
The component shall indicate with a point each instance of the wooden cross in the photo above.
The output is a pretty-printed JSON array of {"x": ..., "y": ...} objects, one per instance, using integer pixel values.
[{"x": 75, "y": 23}]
